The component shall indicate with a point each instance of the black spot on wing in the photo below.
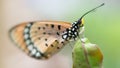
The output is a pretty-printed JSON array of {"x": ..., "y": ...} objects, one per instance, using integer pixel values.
[
  {"x": 44, "y": 32},
  {"x": 49, "y": 33},
  {"x": 43, "y": 28},
  {"x": 46, "y": 44},
  {"x": 62, "y": 43},
  {"x": 58, "y": 47},
  {"x": 59, "y": 27},
  {"x": 52, "y": 26},
  {"x": 46, "y": 24},
  {"x": 56, "y": 41},
  {"x": 58, "y": 33},
  {"x": 39, "y": 38},
  {"x": 39, "y": 28},
  {"x": 52, "y": 45},
  {"x": 45, "y": 39}
]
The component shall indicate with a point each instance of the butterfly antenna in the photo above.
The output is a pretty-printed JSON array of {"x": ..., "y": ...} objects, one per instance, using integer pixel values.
[{"x": 91, "y": 11}]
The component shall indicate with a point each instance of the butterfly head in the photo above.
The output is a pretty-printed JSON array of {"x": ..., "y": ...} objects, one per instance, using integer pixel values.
[{"x": 80, "y": 22}]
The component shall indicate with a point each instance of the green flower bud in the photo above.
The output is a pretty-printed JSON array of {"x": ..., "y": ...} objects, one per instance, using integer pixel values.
[{"x": 86, "y": 55}]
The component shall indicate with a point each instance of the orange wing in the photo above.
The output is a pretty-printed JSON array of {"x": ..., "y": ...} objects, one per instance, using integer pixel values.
[{"x": 40, "y": 39}]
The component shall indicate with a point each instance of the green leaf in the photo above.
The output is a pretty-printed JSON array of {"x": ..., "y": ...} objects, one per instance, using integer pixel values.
[{"x": 86, "y": 55}]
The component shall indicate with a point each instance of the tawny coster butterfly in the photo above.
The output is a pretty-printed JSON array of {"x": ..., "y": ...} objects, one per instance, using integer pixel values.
[{"x": 42, "y": 39}]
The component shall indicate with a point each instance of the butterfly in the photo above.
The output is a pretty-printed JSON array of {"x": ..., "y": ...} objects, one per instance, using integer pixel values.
[{"x": 42, "y": 39}]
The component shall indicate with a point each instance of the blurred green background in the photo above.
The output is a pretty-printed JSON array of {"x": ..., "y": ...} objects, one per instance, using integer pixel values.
[{"x": 102, "y": 26}]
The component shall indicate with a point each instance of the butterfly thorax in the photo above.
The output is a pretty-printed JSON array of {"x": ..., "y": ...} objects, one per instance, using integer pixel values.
[{"x": 72, "y": 32}]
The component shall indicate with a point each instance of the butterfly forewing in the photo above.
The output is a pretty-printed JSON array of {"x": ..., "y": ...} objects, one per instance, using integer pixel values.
[{"x": 40, "y": 39}]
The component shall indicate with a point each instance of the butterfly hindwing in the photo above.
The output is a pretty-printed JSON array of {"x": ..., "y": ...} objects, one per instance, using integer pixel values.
[
  {"x": 39, "y": 39},
  {"x": 16, "y": 34}
]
